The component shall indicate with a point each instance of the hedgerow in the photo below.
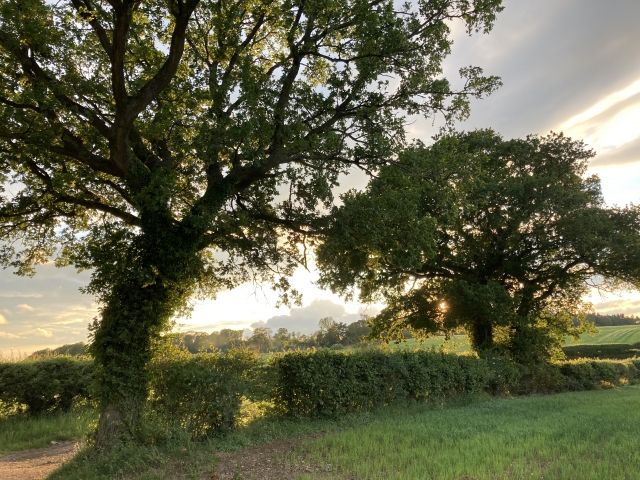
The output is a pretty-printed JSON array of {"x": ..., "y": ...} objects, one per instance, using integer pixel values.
[
  {"x": 611, "y": 351},
  {"x": 45, "y": 385},
  {"x": 203, "y": 394},
  {"x": 327, "y": 383},
  {"x": 588, "y": 374}
]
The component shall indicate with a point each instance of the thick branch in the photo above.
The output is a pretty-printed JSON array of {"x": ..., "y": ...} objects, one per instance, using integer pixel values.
[{"x": 163, "y": 77}]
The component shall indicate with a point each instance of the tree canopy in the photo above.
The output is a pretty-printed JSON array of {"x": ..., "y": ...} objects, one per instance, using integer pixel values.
[
  {"x": 501, "y": 237},
  {"x": 177, "y": 147}
]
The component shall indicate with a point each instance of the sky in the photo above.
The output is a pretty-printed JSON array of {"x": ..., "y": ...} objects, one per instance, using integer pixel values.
[{"x": 571, "y": 66}]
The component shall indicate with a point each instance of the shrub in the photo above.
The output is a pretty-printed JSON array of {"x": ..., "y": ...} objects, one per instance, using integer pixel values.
[
  {"x": 202, "y": 393},
  {"x": 605, "y": 351},
  {"x": 45, "y": 385},
  {"x": 542, "y": 377},
  {"x": 329, "y": 383},
  {"x": 588, "y": 374}
]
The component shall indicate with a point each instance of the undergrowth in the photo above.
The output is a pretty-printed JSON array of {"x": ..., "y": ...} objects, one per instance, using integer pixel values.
[{"x": 21, "y": 432}]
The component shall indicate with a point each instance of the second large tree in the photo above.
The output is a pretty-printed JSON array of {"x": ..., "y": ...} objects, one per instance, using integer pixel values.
[{"x": 501, "y": 238}]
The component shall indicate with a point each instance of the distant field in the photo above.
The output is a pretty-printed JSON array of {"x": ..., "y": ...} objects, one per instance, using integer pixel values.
[
  {"x": 458, "y": 343},
  {"x": 622, "y": 334},
  {"x": 586, "y": 435}
]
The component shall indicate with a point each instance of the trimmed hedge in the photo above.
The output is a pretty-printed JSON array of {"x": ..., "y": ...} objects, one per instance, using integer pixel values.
[
  {"x": 203, "y": 393},
  {"x": 610, "y": 351},
  {"x": 586, "y": 374},
  {"x": 327, "y": 383},
  {"x": 45, "y": 385}
]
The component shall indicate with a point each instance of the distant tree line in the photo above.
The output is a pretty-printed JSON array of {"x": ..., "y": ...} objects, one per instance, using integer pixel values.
[
  {"x": 73, "y": 350},
  {"x": 331, "y": 334},
  {"x": 600, "y": 320}
]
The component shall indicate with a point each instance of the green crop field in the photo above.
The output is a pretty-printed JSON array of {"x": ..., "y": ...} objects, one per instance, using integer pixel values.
[
  {"x": 586, "y": 435},
  {"x": 458, "y": 343},
  {"x": 621, "y": 334}
]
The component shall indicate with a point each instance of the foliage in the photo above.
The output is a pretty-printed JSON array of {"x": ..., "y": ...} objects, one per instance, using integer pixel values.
[
  {"x": 45, "y": 385},
  {"x": 586, "y": 374},
  {"x": 202, "y": 393},
  {"x": 144, "y": 137},
  {"x": 499, "y": 237},
  {"x": 327, "y": 383},
  {"x": 602, "y": 351},
  {"x": 197, "y": 342}
]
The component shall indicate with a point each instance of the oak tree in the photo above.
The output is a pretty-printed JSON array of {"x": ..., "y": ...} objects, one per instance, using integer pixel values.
[
  {"x": 499, "y": 237},
  {"x": 179, "y": 147}
]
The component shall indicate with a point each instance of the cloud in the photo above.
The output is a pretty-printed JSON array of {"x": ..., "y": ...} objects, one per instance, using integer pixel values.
[
  {"x": 605, "y": 104},
  {"x": 611, "y": 127},
  {"x": 625, "y": 154},
  {"x": 75, "y": 314},
  {"x": 41, "y": 332},
  {"x": 24, "y": 308},
  {"x": 8, "y": 335},
  {"x": 305, "y": 320},
  {"x": 626, "y": 306},
  {"x": 3, "y": 320}
]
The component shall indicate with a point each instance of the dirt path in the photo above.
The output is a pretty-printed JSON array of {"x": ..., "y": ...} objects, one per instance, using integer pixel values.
[{"x": 37, "y": 463}]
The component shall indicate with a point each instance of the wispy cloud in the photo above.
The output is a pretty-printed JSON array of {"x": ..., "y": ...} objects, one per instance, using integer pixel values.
[
  {"x": 609, "y": 125},
  {"x": 41, "y": 332},
  {"x": 626, "y": 306},
  {"x": 75, "y": 314},
  {"x": 24, "y": 308},
  {"x": 3, "y": 320},
  {"x": 8, "y": 335},
  {"x": 604, "y": 104}
]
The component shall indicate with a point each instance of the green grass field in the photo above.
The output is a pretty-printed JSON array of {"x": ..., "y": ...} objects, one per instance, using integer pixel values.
[
  {"x": 586, "y": 435},
  {"x": 458, "y": 343},
  {"x": 621, "y": 334}
]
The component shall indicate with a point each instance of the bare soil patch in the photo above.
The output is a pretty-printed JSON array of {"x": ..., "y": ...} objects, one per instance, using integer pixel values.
[
  {"x": 281, "y": 460},
  {"x": 37, "y": 463}
]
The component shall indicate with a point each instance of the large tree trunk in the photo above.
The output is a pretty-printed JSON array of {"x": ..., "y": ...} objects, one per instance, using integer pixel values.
[
  {"x": 134, "y": 317},
  {"x": 151, "y": 280},
  {"x": 481, "y": 335}
]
